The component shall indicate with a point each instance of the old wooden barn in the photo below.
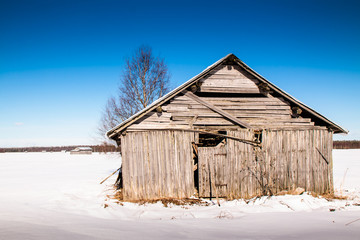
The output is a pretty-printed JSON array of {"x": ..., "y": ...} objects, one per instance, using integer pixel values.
[{"x": 227, "y": 132}]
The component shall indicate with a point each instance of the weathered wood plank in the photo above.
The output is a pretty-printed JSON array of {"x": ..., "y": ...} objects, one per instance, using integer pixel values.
[
  {"x": 224, "y": 77},
  {"x": 216, "y": 109},
  {"x": 229, "y": 90},
  {"x": 232, "y": 99},
  {"x": 229, "y": 102},
  {"x": 256, "y": 113},
  {"x": 236, "y": 107}
]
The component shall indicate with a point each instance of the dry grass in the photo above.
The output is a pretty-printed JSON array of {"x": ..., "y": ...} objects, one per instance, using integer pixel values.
[
  {"x": 333, "y": 196},
  {"x": 195, "y": 201},
  {"x": 165, "y": 201},
  {"x": 327, "y": 196},
  {"x": 118, "y": 195},
  {"x": 297, "y": 191},
  {"x": 173, "y": 201}
]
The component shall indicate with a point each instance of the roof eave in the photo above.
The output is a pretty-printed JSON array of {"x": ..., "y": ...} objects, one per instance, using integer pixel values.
[{"x": 337, "y": 128}]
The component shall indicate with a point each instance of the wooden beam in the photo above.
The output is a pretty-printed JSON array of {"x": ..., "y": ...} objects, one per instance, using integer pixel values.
[
  {"x": 254, "y": 143},
  {"x": 109, "y": 176},
  {"x": 322, "y": 155},
  {"x": 216, "y": 109}
]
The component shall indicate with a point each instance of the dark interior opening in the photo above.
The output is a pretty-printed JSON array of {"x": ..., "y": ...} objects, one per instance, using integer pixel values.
[
  {"x": 196, "y": 166},
  {"x": 119, "y": 180},
  {"x": 258, "y": 136},
  {"x": 210, "y": 140}
]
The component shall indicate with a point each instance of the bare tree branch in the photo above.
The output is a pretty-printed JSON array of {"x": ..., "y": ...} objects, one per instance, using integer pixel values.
[{"x": 145, "y": 78}]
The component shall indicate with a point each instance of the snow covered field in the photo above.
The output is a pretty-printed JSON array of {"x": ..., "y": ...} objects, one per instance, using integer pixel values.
[{"x": 58, "y": 196}]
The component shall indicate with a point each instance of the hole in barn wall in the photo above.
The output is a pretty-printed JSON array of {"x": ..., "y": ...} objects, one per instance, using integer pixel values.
[
  {"x": 258, "y": 136},
  {"x": 209, "y": 140}
]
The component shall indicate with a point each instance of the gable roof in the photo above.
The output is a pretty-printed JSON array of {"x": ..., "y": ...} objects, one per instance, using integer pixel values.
[{"x": 230, "y": 57}]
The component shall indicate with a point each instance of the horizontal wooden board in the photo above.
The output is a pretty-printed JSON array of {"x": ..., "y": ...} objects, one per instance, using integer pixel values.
[
  {"x": 229, "y": 107},
  {"x": 229, "y": 90},
  {"x": 227, "y": 102},
  {"x": 260, "y": 114},
  {"x": 236, "y": 82},
  {"x": 143, "y": 126},
  {"x": 279, "y": 120},
  {"x": 173, "y": 107},
  {"x": 232, "y": 98}
]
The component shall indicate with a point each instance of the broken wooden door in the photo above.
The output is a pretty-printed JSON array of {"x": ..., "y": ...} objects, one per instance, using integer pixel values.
[{"x": 212, "y": 166}]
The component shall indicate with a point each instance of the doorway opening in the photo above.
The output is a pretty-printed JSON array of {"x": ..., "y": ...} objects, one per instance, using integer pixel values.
[{"x": 205, "y": 141}]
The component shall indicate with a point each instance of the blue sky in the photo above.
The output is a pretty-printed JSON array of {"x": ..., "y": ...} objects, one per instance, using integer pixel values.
[{"x": 61, "y": 60}]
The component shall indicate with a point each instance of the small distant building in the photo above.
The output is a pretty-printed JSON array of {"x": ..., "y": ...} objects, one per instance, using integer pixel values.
[{"x": 81, "y": 150}]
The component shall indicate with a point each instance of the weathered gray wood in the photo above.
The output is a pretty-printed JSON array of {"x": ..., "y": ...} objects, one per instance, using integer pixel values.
[
  {"x": 311, "y": 171},
  {"x": 258, "y": 114},
  {"x": 229, "y": 101},
  {"x": 272, "y": 113},
  {"x": 244, "y": 140},
  {"x": 228, "y": 90},
  {"x": 330, "y": 168},
  {"x": 213, "y": 180},
  {"x": 160, "y": 170},
  {"x": 235, "y": 99},
  {"x": 215, "y": 109},
  {"x": 240, "y": 107},
  {"x": 323, "y": 156},
  {"x": 157, "y": 153}
]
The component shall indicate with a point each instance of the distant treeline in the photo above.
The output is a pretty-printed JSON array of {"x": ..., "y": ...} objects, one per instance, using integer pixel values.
[
  {"x": 346, "y": 144},
  {"x": 95, "y": 148},
  {"x": 111, "y": 148}
]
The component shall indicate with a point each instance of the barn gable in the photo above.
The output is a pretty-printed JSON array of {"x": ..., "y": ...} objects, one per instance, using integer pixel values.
[
  {"x": 229, "y": 78},
  {"x": 251, "y": 100}
]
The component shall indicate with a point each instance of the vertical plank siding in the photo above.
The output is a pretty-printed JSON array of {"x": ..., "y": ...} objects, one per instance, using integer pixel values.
[
  {"x": 159, "y": 164},
  {"x": 287, "y": 160},
  {"x": 298, "y": 162}
]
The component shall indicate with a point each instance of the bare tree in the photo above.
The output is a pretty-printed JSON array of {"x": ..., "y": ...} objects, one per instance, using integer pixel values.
[{"x": 145, "y": 78}]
